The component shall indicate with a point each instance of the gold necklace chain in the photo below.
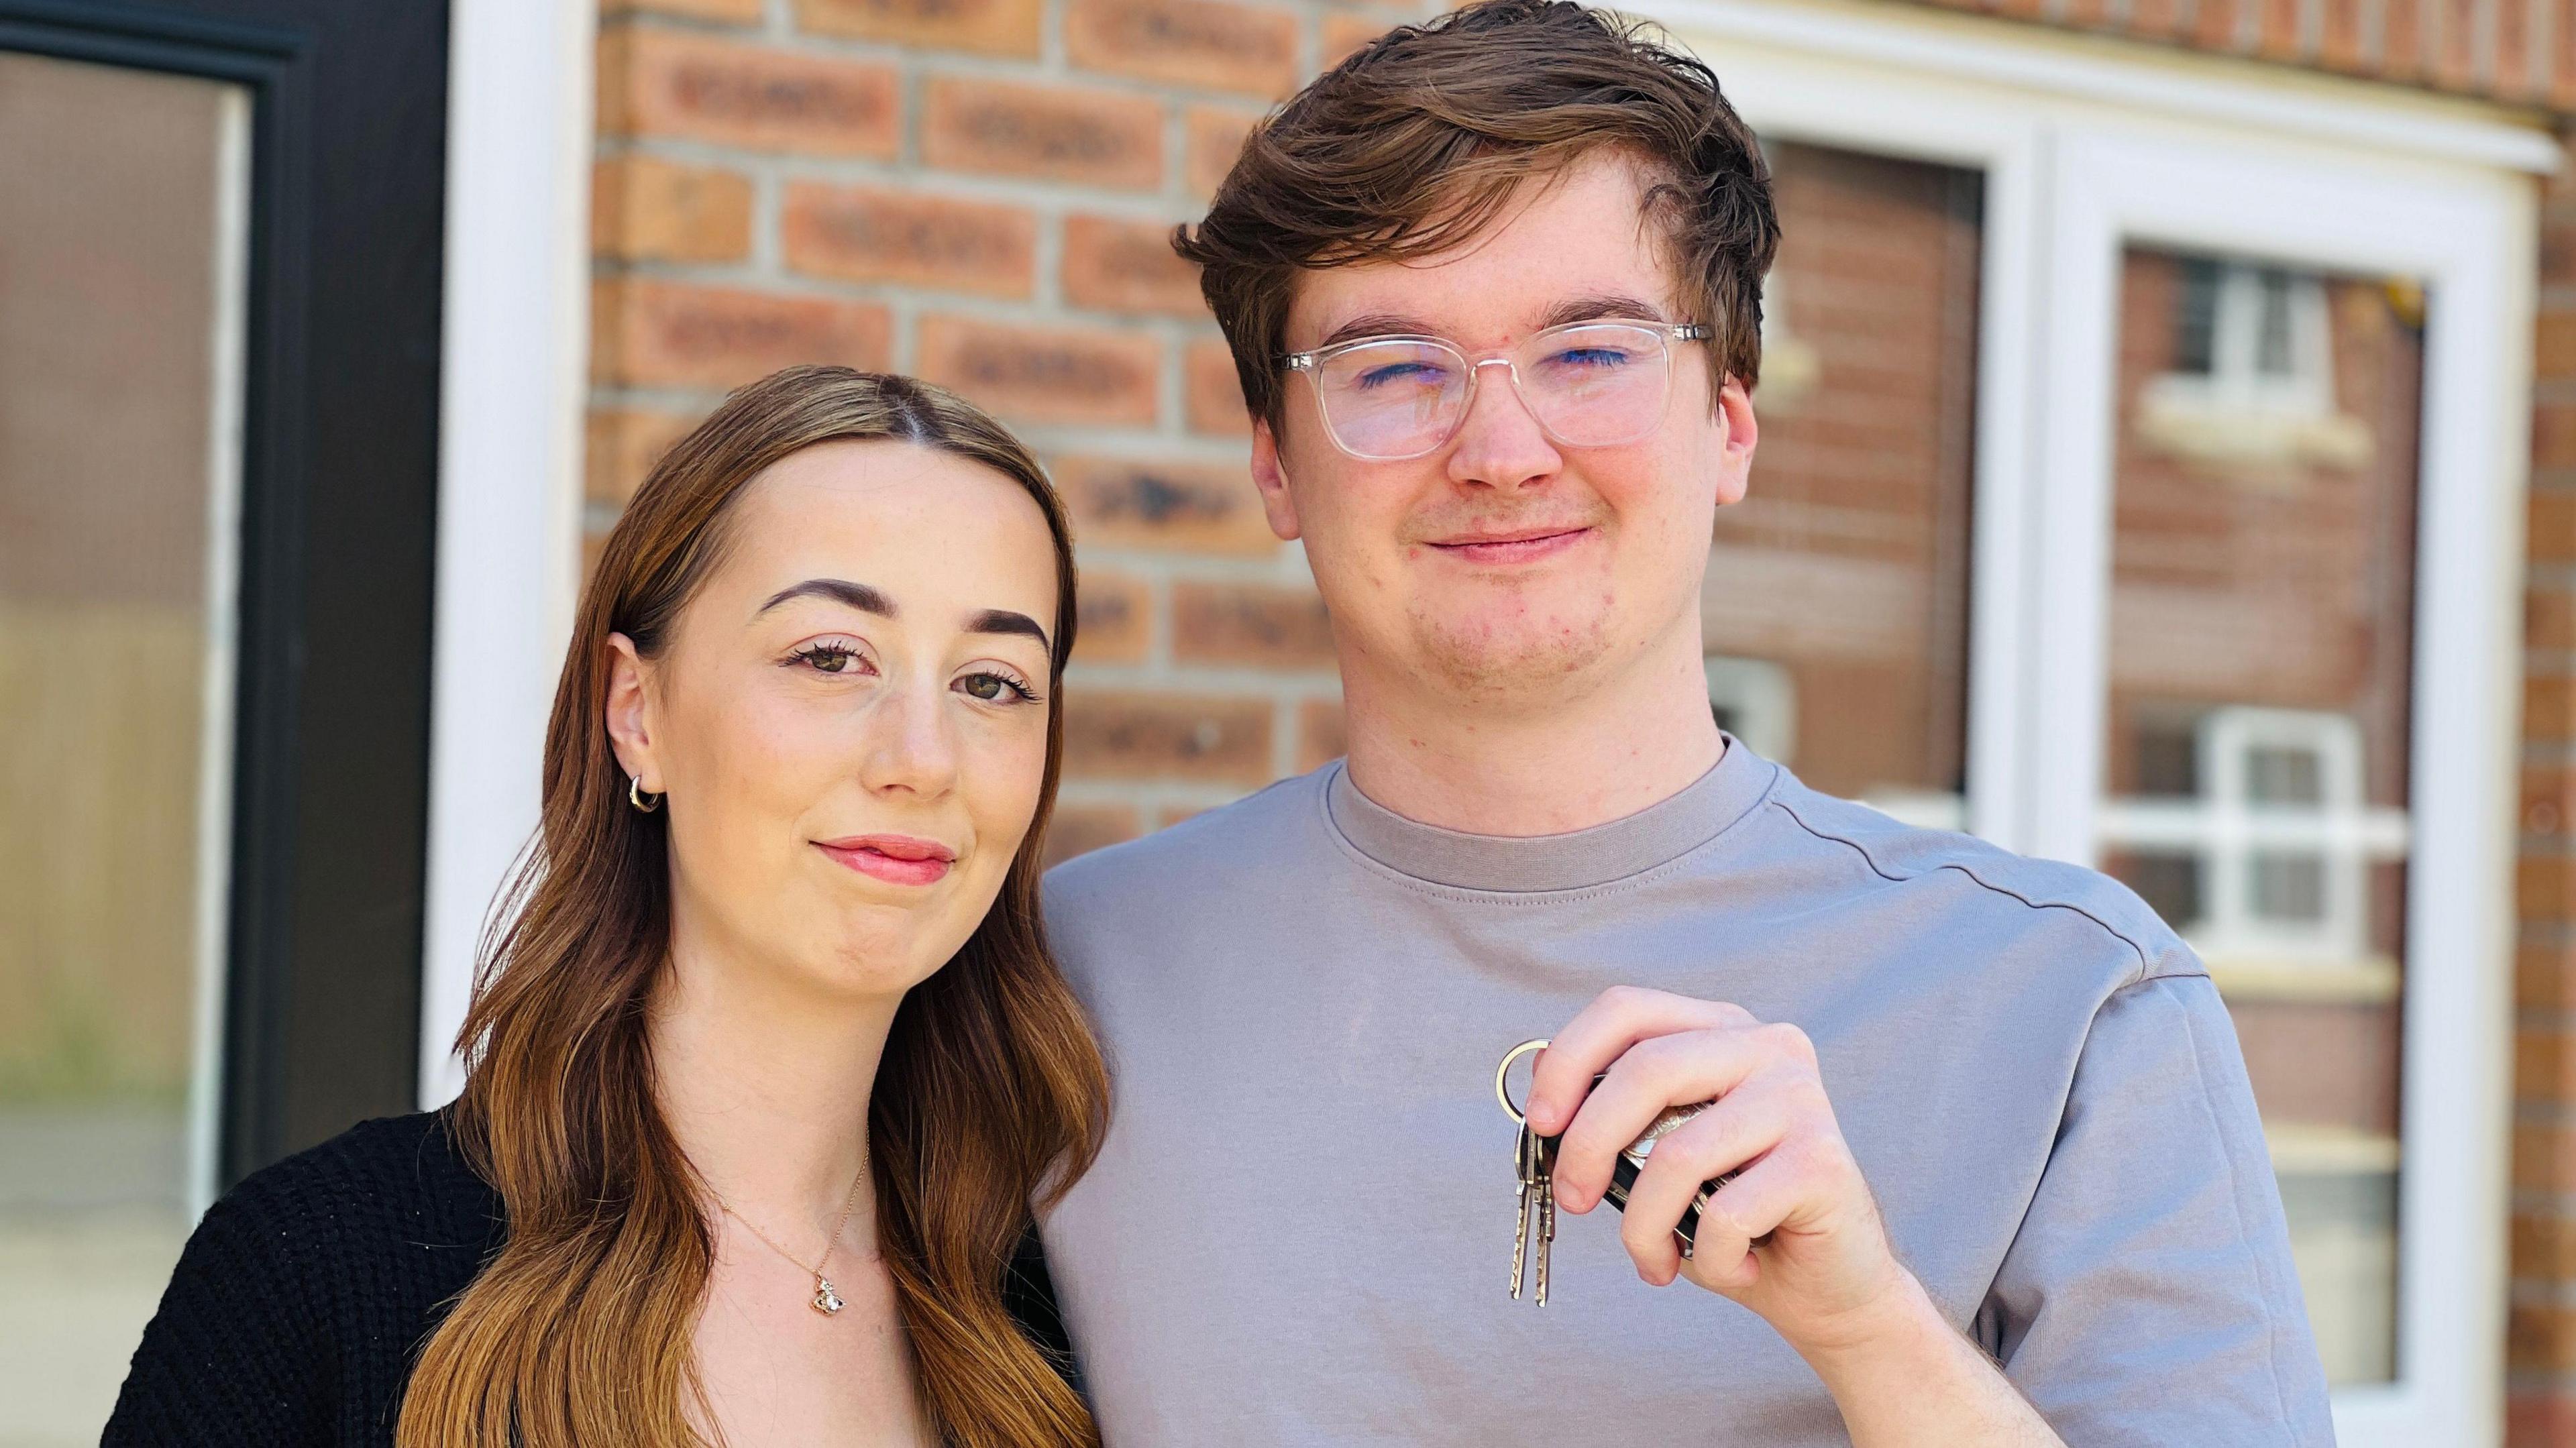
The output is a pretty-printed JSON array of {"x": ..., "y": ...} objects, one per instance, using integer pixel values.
[{"x": 826, "y": 1300}]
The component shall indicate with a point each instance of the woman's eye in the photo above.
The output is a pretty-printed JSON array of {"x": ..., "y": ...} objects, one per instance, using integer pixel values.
[
  {"x": 830, "y": 658},
  {"x": 995, "y": 688}
]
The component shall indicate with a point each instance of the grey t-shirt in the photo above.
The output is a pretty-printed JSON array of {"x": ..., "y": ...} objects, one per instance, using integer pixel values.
[{"x": 1301, "y": 1224}]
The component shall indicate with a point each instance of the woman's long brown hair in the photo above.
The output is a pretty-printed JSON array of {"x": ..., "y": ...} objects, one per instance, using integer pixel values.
[{"x": 990, "y": 1096}]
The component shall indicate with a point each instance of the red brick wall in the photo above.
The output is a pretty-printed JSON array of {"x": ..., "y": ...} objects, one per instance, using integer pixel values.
[
  {"x": 2541, "y": 1340},
  {"x": 976, "y": 190},
  {"x": 2517, "y": 51},
  {"x": 979, "y": 191}
]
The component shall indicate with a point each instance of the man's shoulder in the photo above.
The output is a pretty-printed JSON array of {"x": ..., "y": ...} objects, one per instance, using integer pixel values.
[
  {"x": 1199, "y": 855},
  {"x": 2018, "y": 894}
]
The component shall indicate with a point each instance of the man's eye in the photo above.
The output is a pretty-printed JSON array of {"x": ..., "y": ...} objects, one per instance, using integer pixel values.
[
  {"x": 1577, "y": 359},
  {"x": 1419, "y": 374}
]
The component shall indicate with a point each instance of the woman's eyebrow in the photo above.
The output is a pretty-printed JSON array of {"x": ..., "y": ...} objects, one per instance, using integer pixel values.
[
  {"x": 839, "y": 590},
  {"x": 1003, "y": 621}
]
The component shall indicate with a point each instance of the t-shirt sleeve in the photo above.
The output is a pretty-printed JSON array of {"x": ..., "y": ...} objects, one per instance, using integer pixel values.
[
  {"x": 2149, "y": 1296},
  {"x": 236, "y": 1353}
]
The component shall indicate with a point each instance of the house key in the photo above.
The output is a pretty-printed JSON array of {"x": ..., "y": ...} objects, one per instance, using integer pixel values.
[{"x": 1536, "y": 1161}]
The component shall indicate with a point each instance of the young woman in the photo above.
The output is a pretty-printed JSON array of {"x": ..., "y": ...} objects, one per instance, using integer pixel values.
[{"x": 770, "y": 1061}]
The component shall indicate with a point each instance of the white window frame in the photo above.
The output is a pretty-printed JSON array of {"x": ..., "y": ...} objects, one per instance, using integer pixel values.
[
  {"x": 512, "y": 400},
  {"x": 2089, "y": 146}
]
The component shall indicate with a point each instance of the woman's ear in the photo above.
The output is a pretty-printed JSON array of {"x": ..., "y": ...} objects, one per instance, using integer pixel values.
[{"x": 629, "y": 711}]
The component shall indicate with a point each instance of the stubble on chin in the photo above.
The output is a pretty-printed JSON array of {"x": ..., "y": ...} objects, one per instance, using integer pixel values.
[{"x": 1509, "y": 652}]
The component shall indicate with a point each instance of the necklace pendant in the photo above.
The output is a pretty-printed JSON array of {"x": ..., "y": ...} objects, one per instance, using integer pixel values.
[{"x": 826, "y": 1301}]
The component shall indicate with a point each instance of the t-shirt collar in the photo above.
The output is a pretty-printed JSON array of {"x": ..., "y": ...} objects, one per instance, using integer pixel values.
[{"x": 1656, "y": 835}]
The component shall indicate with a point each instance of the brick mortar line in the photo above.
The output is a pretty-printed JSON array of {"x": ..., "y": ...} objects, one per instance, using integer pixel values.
[
  {"x": 2541, "y": 1292},
  {"x": 1147, "y": 797},
  {"x": 1136, "y": 201},
  {"x": 943, "y": 61},
  {"x": 711, "y": 26},
  {"x": 768, "y": 223},
  {"x": 1046, "y": 254},
  {"x": 2543, "y": 40},
  {"x": 1159, "y": 628},
  {"x": 786, "y": 281},
  {"x": 1130, "y": 443},
  {"x": 906, "y": 341},
  {"x": 1123, "y": 444},
  {"x": 1232, "y": 681},
  {"x": 1285, "y": 727},
  {"x": 1052, "y": 50},
  {"x": 1177, "y": 566}
]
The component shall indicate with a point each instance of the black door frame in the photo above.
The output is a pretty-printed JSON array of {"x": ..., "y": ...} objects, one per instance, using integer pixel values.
[{"x": 348, "y": 148}]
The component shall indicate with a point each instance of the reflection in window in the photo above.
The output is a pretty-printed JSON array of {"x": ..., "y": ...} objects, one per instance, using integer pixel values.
[
  {"x": 122, "y": 201},
  {"x": 2256, "y": 770},
  {"x": 1836, "y": 608}
]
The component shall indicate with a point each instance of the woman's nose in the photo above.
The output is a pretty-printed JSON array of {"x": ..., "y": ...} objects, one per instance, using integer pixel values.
[{"x": 911, "y": 745}]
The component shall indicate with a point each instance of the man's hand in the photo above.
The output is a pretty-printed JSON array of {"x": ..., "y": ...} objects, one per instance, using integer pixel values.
[{"x": 1796, "y": 1237}]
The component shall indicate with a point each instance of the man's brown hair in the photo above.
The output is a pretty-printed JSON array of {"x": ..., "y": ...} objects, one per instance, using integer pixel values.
[{"x": 1417, "y": 142}]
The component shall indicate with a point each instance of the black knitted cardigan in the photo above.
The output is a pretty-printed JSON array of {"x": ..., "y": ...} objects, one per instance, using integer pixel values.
[{"x": 305, "y": 1295}]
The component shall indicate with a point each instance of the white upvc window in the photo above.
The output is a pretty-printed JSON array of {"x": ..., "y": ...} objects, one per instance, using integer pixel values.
[{"x": 2337, "y": 285}]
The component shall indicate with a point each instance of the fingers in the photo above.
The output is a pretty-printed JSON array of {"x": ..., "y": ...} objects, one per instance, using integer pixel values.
[
  {"x": 1682, "y": 1069},
  {"x": 1750, "y": 1207},
  {"x": 1617, "y": 1019},
  {"x": 1749, "y": 1122}
]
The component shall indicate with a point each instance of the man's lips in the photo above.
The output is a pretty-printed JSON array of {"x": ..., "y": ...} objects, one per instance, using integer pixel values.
[
  {"x": 896, "y": 859},
  {"x": 1518, "y": 545}
]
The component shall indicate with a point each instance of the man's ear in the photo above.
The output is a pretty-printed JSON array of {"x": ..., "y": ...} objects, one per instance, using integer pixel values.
[
  {"x": 629, "y": 712},
  {"x": 1735, "y": 451},
  {"x": 1272, "y": 480}
]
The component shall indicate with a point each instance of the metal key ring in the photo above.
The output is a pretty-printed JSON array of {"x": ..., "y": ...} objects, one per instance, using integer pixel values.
[{"x": 1504, "y": 1070}]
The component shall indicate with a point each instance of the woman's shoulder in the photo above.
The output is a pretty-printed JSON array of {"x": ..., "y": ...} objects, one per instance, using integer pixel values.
[
  {"x": 295, "y": 1307},
  {"x": 393, "y": 1179}
]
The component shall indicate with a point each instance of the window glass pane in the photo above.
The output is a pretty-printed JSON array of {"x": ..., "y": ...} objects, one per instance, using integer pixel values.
[
  {"x": 2261, "y": 608},
  {"x": 121, "y": 202},
  {"x": 1837, "y": 598}
]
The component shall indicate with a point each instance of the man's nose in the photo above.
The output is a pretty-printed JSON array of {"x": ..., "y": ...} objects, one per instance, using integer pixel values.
[{"x": 1500, "y": 443}]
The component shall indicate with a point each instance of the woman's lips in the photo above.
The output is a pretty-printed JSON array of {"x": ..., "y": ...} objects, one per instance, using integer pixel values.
[
  {"x": 895, "y": 859},
  {"x": 1514, "y": 547}
]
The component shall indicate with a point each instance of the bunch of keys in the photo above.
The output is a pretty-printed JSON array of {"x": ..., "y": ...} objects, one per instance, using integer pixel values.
[{"x": 1536, "y": 1161}]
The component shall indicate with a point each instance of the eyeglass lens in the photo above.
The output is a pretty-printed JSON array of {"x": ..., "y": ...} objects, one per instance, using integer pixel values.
[{"x": 1590, "y": 386}]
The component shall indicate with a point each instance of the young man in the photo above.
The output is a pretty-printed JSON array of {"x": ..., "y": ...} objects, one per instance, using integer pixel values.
[{"x": 1492, "y": 287}]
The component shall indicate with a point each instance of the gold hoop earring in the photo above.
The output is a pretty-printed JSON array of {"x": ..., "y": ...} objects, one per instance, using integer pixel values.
[{"x": 635, "y": 795}]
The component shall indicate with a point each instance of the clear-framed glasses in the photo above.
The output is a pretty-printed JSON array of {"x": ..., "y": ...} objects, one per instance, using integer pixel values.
[{"x": 1589, "y": 384}]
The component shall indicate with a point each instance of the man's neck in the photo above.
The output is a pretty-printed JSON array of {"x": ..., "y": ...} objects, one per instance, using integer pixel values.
[{"x": 1542, "y": 767}]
